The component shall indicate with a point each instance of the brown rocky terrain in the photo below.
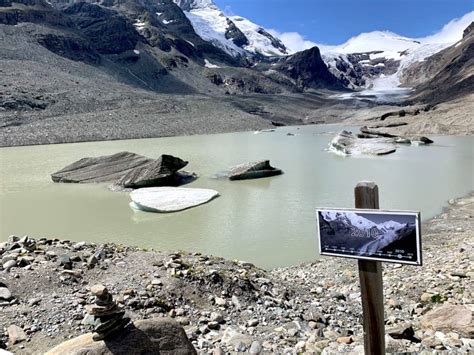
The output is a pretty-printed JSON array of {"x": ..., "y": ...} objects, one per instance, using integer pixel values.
[{"x": 235, "y": 306}]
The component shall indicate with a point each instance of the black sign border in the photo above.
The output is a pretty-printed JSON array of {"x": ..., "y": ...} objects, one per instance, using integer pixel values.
[{"x": 417, "y": 215}]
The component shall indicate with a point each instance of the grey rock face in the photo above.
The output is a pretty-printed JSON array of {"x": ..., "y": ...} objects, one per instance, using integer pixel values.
[
  {"x": 308, "y": 70},
  {"x": 108, "y": 30},
  {"x": 254, "y": 170},
  {"x": 235, "y": 34}
]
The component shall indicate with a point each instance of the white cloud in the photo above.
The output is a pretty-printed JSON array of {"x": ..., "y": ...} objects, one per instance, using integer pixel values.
[
  {"x": 293, "y": 40},
  {"x": 451, "y": 32}
]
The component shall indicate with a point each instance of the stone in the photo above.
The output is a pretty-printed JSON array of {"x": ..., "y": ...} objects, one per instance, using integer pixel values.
[
  {"x": 346, "y": 143},
  {"x": 108, "y": 318},
  {"x": 15, "y": 334},
  {"x": 220, "y": 301},
  {"x": 254, "y": 170},
  {"x": 232, "y": 337},
  {"x": 426, "y": 297},
  {"x": 252, "y": 323},
  {"x": 99, "y": 290},
  {"x": 255, "y": 347},
  {"x": 236, "y": 302},
  {"x": 150, "y": 336},
  {"x": 9, "y": 264},
  {"x": 170, "y": 199},
  {"x": 213, "y": 325},
  {"x": 447, "y": 318},
  {"x": 345, "y": 340},
  {"x": 404, "y": 331},
  {"x": 217, "y": 317},
  {"x": 5, "y": 294},
  {"x": 65, "y": 261}
]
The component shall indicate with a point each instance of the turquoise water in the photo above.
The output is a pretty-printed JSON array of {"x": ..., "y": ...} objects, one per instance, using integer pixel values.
[{"x": 270, "y": 222}]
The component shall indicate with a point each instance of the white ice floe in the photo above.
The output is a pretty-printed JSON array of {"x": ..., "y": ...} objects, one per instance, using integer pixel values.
[{"x": 170, "y": 199}]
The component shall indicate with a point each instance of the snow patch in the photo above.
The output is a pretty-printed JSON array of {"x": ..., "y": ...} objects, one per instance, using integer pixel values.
[
  {"x": 208, "y": 64},
  {"x": 139, "y": 25}
]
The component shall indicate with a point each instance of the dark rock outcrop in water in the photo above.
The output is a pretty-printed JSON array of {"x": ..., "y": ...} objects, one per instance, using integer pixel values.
[
  {"x": 126, "y": 170},
  {"x": 161, "y": 171},
  {"x": 255, "y": 170}
]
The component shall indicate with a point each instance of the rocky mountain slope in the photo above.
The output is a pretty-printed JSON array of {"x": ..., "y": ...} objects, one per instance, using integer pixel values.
[
  {"x": 84, "y": 70},
  {"x": 448, "y": 74}
]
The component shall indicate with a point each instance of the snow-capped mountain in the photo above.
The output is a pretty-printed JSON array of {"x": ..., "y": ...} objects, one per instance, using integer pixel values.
[
  {"x": 234, "y": 34},
  {"x": 350, "y": 220},
  {"x": 380, "y": 58}
]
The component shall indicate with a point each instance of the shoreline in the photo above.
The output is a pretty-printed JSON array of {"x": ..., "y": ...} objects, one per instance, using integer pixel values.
[
  {"x": 447, "y": 118},
  {"x": 308, "y": 307}
]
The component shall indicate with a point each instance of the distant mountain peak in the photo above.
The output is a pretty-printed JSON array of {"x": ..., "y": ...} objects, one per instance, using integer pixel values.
[
  {"x": 235, "y": 35},
  {"x": 188, "y": 5}
]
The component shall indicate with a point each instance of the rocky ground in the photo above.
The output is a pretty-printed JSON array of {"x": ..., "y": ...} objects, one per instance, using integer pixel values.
[
  {"x": 452, "y": 117},
  {"x": 235, "y": 306}
]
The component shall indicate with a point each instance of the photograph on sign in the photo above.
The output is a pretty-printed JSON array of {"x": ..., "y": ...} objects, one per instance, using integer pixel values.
[{"x": 392, "y": 236}]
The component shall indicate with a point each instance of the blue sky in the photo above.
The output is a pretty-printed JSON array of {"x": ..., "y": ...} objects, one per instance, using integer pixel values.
[{"x": 335, "y": 21}]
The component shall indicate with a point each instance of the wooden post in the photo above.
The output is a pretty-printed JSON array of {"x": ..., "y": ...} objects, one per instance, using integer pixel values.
[{"x": 370, "y": 276}]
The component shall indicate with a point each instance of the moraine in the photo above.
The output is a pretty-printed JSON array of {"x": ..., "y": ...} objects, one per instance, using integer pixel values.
[{"x": 253, "y": 220}]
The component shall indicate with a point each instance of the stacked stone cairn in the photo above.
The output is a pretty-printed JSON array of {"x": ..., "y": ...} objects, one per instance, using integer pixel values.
[{"x": 108, "y": 317}]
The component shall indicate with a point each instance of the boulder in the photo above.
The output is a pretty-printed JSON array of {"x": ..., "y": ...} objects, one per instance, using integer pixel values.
[
  {"x": 5, "y": 294},
  {"x": 126, "y": 170},
  {"x": 402, "y": 331},
  {"x": 170, "y": 199},
  {"x": 346, "y": 143},
  {"x": 150, "y": 336},
  {"x": 450, "y": 318},
  {"x": 107, "y": 168},
  {"x": 161, "y": 172},
  {"x": 255, "y": 170},
  {"x": 15, "y": 334}
]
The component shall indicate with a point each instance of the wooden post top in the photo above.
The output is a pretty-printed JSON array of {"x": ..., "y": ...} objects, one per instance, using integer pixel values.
[{"x": 366, "y": 195}]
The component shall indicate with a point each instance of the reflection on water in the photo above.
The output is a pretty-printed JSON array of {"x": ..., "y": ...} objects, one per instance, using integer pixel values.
[{"x": 270, "y": 222}]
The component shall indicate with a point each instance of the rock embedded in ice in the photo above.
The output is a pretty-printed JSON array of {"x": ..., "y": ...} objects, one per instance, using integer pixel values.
[
  {"x": 170, "y": 199},
  {"x": 347, "y": 144},
  {"x": 255, "y": 170}
]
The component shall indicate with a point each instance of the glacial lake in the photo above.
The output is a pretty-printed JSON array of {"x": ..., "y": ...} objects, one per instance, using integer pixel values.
[{"x": 270, "y": 222}]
